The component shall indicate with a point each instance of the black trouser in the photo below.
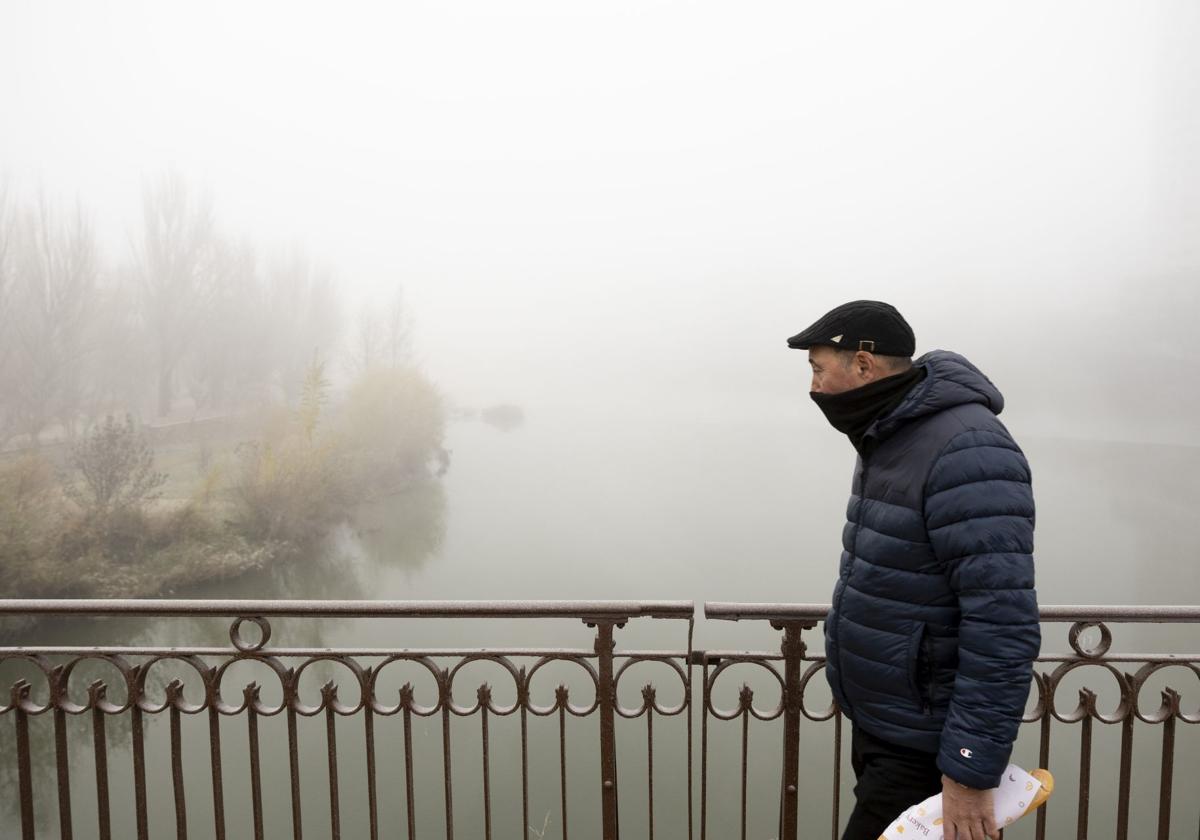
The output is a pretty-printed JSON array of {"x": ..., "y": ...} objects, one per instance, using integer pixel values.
[{"x": 890, "y": 778}]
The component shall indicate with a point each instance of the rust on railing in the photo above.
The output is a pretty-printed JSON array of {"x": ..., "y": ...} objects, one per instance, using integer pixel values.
[
  {"x": 602, "y": 667},
  {"x": 1050, "y": 672},
  {"x": 248, "y": 609},
  {"x": 438, "y": 752}
]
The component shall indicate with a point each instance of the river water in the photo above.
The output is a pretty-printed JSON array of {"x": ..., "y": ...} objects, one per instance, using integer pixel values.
[{"x": 705, "y": 502}]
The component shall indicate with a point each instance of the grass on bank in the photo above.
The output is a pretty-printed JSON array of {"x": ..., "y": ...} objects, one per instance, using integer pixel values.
[{"x": 117, "y": 517}]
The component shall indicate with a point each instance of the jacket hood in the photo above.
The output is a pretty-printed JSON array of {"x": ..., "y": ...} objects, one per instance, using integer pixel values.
[{"x": 950, "y": 380}]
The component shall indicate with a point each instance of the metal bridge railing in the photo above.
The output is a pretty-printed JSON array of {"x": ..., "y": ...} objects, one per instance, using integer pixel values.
[
  {"x": 1089, "y": 667},
  {"x": 399, "y": 751}
]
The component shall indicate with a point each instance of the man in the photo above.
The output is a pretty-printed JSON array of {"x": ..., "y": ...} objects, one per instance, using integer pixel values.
[{"x": 934, "y": 624}]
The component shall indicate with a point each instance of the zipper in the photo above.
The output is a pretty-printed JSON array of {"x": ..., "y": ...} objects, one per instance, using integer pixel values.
[{"x": 862, "y": 488}]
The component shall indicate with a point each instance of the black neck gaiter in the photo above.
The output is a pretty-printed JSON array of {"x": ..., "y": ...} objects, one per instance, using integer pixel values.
[{"x": 853, "y": 412}]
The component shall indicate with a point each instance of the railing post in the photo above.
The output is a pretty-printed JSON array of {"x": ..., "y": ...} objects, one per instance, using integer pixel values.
[
  {"x": 793, "y": 650},
  {"x": 606, "y": 698}
]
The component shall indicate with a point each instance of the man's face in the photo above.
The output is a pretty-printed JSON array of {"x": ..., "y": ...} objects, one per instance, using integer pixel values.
[{"x": 834, "y": 372}]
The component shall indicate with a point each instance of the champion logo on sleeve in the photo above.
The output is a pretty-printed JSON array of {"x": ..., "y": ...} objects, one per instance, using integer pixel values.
[{"x": 966, "y": 753}]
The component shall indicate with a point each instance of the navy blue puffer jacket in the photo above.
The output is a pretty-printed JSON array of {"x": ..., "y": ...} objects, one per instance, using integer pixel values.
[{"x": 934, "y": 623}]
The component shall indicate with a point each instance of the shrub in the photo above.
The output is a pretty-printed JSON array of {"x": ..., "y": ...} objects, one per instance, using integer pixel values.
[
  {"x": 26, "y": 486},
  {"x": 294, "y": 486},
  {"x": 392, "y": 424},
  {"x": 28, "y": 508},
  {"x": 111, "y": 480},
  {"x": 114, "y": 468},
  {"x": 289, "y": 490}
]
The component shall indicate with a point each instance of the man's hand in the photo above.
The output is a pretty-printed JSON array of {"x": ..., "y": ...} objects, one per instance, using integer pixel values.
[{"x": 967, "y": 813}]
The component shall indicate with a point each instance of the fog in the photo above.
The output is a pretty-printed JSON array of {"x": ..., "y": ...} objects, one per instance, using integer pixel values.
[
  {"x": 611, "y": 217},
  {"x": 489, "y": 300},
  {"x": 633, "y": 203}
]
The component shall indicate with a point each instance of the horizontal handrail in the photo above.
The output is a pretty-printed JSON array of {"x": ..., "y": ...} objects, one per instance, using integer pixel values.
[
  {"x": 717, "y": 610},
  {"x": 614, "y": 610},
  {"x": 345, "y": 652},
  {"x": 1117, "y": 613}
]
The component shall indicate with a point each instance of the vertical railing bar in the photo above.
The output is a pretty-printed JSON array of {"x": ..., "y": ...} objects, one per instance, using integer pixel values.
[
  {"x": 704, "y": 753},
  {"x": 745, "y": 762},
  {"x": 335, "y": 814},
  {"x": 100, "y": 748},
  {"x": 782, "y": 785},
  {"x": 837, "y": 771},
  {"x": 255, "y": 769},
  {"x": 1044, "y": 762},
  {"x": 650, "y": 769},
  {"x": 408, "y": 774},
  {"x": 606, "y": 702},
  {"x": 214, "y": 750},
  {"x": 1126, "y": 772},
  {"x": 1167, "y": 773},
  {"x": 139, "y": 771},
  {"x": 62, "y": 760},
  {"x": 487, "y": 775},
  {"x": 562, "y": 753},
  {"x": 177, "y": 774},
  {"x": 372, "y": 803},
  {"x": 446, "y": 763},
  {"x": 24, "y": 772},
  {"x": 524, "y": 762},
  {"x": 690, "y": 700},
  {"x": 1085, "y": 775},
  {"x": 294, "y": 770},
  {"x": 792, "y": 649}
]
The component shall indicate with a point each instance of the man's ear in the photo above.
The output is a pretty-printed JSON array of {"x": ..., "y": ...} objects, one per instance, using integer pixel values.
[{"x": 864, "y": 364}]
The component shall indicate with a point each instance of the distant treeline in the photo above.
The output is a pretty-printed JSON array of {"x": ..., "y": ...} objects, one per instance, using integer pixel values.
[
  {"x": 189, "y": 320},
  {"x": 188, "y": 324},
  {"x": 113, "y": 517}
]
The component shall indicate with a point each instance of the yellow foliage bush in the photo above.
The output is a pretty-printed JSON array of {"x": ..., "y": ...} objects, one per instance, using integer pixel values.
[
  {"x": 28, "y": 504},
  {"x": 392, "y": 423},
  {"x": 293, "y": 489}
]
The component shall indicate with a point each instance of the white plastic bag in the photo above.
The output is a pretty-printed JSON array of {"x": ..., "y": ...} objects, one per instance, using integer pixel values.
[{"x": 1018, "y": 794}]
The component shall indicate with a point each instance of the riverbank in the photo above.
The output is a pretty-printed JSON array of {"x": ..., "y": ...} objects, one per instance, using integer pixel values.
[{"x": 117, "y": 515}]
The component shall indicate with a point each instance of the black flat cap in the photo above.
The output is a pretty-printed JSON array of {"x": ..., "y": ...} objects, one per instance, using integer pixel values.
[{"x": 869, "y": 325}]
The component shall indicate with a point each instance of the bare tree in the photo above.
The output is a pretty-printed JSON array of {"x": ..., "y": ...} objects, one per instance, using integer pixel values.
[
  {"x": 381, "y": 341},
  {"x": 55, "y": 266},
  {"x": 173, "y": 262},
  {"x": 114, "y": 466},
  {"x": 6, "y": 236},
  {"x": 227, "y": 361},
  {"x": 304, "y": 318},
  {"x": 367, "y": 347},
  {"x": 118, "y": 367},
  {"x": 6, "y": 333},
  {"x": 398, "y": 330}
]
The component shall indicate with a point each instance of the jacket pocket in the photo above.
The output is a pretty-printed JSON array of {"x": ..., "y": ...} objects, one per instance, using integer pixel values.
[{"x": 918, "y": 666}]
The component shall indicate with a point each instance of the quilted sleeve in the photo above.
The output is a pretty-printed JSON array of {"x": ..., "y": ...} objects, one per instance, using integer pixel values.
[{"x": 979, "y": 514}]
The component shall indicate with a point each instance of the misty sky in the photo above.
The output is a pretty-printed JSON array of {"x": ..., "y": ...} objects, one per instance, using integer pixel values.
[{"x": 629, "y": 205}]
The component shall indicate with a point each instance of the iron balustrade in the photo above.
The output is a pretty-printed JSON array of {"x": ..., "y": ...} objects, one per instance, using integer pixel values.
[
  {"x": 1051, "y": 671},
  {"x": 250, "y": 634},
  {"x": 46, "y": 689}
]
